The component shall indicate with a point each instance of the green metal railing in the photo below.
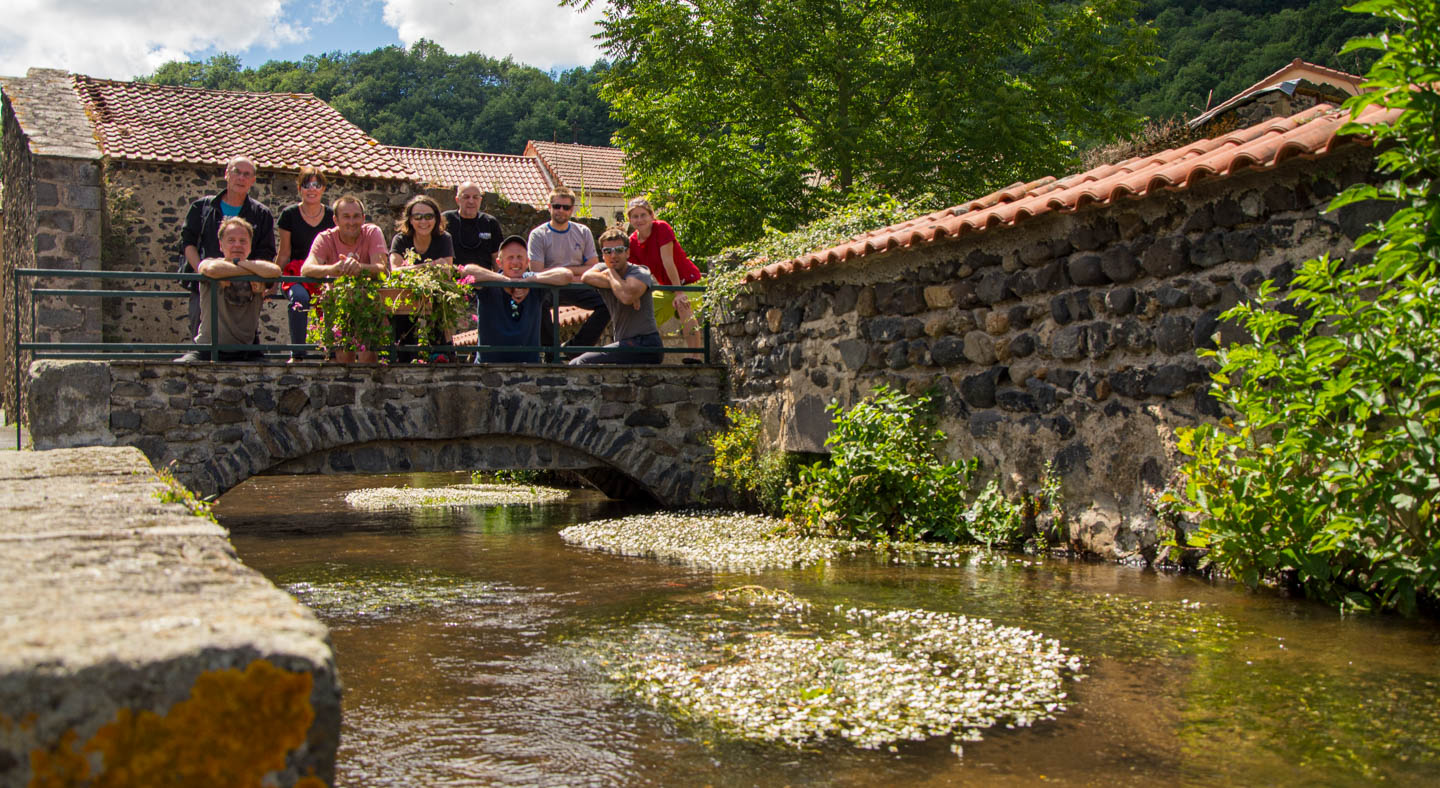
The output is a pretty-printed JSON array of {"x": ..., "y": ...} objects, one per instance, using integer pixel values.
[{"x": 166, "y": 350}]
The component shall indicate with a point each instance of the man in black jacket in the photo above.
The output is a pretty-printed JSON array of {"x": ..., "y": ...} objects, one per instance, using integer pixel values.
[{"x": 199, "y": 240}]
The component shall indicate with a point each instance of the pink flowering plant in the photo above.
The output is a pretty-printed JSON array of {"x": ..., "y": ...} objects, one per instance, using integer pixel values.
[
  {"x": 350, "y": 315},
  {"x": 437, "y": 296}
]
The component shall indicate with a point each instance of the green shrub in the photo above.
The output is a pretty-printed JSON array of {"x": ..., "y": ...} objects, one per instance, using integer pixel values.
[
  {"x": 741, "y": 461},
  {"x": 885, "y": 480},
  {"x": 1326, "y": 475}
]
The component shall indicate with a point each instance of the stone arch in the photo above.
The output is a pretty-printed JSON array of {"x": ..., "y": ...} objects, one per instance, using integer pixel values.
[{"x": 451, "y": 426}]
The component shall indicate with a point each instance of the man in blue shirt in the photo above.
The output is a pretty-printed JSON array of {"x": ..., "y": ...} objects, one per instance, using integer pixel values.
[{"x": 512, "y": 315}]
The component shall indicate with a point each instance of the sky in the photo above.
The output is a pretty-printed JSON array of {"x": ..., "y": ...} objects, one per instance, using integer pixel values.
[{"x": 130, "y": 38}]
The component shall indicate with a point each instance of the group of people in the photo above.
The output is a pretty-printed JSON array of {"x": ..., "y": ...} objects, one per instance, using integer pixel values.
[{"x": 231, "y": 234}]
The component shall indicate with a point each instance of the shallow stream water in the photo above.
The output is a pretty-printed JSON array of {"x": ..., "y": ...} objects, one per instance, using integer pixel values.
[{"x": 467, "y": 644}]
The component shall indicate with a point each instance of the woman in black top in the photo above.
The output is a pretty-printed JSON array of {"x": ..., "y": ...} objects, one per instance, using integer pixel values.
[
  {"x": 295, "y": 231},
  {"x": 421, "y": 230}
]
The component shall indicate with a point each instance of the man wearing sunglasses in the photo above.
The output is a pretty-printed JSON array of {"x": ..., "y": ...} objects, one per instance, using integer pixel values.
[
  {"x": 627, "y": 290},
  {"x": 561, "y": 243},
  {"x": 511, "y": 315}
]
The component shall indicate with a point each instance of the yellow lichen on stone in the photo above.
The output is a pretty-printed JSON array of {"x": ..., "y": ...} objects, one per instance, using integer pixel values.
[
  {"x": 60, "y": 767},
  {"x": 233, "y": 730}
]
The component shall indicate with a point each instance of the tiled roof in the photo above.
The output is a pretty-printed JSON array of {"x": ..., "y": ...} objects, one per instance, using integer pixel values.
[
  {"x": 581, "y": 166},
  {"x": 1292, "y": 72},
  {"x": 280, "y": 131},
  {"x": 1309, "y": 134},
  {"x": 1303, "y": 68},
  {"x": 519, "y": 178}
]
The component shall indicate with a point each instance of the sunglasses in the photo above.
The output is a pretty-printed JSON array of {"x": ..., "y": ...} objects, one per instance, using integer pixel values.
[
  {"x": 422, "y": 216},
  {"x": 312, "y": 185},
  {"x": 555, "y": 206},
  {"x": 614, "y": 249}
]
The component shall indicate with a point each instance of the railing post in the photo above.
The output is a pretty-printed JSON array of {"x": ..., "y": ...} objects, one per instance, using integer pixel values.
[
  {"x": 214, "y": 317},
  {"x": 555, "y": 324}
]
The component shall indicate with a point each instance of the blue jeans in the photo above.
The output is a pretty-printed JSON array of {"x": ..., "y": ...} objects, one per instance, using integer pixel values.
[{"x": 642, "y": 341}]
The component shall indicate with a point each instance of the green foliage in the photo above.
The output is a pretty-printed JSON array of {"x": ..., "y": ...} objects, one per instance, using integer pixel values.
[
  {"x": 1327, "y": 475},
  {"x": 861, "y": 212},
  {"x": 885, "y": 480},
  {"x": 175, "y": 492},
  {"x": 742, "y": 461},
  {"x": 508, "y": 476},
  {"x": 350, "y": 315},
  {"x": 747, "y": 115},
  {"x": 423, "y": 96},
  {"x": 435, "y": 295},
  {"x": 993, "y": 518}
]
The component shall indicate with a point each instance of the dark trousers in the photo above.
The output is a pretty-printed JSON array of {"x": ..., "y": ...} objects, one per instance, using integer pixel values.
[
  {"x": 298, "y": 315},
  {"x": 594, "y": 325},
  {"x": 643, "y": 341},
  {"x": 407, "y": 331}
]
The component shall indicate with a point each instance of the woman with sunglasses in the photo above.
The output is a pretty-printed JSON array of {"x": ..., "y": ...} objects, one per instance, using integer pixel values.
[
  {"x": 422, "y": 230},
  {"x": 295, "y": 231}
]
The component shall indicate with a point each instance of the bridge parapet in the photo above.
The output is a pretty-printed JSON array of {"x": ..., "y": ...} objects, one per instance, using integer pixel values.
[{"x": 640, "y": 426}]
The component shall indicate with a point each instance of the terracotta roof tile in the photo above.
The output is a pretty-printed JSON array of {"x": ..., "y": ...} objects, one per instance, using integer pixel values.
[
  {"x": 519, "y": 178},
  {"x": 596, "y": 169},
  {"x": 280, "y": 131},
  {"x": 1310, "y": 134}
]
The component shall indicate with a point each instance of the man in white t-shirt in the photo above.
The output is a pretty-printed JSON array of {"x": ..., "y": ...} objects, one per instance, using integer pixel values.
[{"x": 563, "y": 243}]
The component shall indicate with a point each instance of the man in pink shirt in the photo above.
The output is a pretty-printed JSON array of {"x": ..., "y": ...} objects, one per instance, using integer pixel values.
[{"x": 350, "y": 247}]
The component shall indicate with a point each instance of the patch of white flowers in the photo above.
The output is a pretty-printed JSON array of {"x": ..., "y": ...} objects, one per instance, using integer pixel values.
[
  {"x": 454, "y": 495},
  {"x": 716, "y": 540},
  {"x": 872, "y": 677}
]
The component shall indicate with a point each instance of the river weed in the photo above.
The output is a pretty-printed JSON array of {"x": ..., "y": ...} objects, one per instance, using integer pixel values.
[
  {"x": 454, "y": 495},
  {"x": 778, "y": 669}
]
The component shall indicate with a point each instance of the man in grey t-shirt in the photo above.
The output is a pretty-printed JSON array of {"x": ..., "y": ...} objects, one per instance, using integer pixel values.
[
  {"x": 627, "y": 291},
  {"x": 561, "y": 242}
]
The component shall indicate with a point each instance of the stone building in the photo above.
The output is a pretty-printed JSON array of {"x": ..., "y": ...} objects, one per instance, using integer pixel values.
[
  {"x": 99, "y": 175},
  {"x": 1296, "y": 86},
  {"x": 1056, "y": 321}
]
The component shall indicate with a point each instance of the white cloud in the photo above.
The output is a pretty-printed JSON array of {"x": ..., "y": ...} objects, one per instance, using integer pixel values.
[
  {"x": 125, "y": 39},
  {"x": 535, "y": 32}
]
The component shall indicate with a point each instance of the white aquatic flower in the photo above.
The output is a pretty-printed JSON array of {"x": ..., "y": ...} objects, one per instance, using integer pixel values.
[{"x": 454, "y": 495}]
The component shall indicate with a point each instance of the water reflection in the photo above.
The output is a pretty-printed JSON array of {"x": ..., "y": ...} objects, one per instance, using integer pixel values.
[{"x": 459, "y": 637}]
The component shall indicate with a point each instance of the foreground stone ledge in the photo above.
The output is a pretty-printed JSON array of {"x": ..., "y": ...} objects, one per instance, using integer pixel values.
[{"x": 130, "y": 632}]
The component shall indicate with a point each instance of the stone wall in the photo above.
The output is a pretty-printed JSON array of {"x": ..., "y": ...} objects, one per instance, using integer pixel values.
[
  {"x": 146, "y": 206},
  {"x": 17, "y": 244},
  {"x": 222, "y": 423},
  {"x": 136, "y": 643},
  {"x": 1070, "y": 338}
]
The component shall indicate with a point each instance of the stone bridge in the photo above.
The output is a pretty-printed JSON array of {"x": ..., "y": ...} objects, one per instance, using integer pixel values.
[{"x": 625, "y": 429}]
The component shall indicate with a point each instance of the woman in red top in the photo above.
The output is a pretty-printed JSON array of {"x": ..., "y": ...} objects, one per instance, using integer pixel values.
[{"x": 653, "y": 245}]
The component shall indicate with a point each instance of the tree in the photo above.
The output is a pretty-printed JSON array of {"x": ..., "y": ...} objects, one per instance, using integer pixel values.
[
  {"x": 745, "y": 113},
  {"x": 1326, "y": 474},
  {"x": 423, "y": 96}
]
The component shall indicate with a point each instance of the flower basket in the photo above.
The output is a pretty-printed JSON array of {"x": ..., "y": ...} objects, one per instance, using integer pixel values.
[
  {"x": 349, "y": 316},
  {"x": 436, "y": 296},
  {"x": 401, "y": 301}
]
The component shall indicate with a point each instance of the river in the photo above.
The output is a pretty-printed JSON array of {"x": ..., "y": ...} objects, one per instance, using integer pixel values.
[{"x": 465, "y": 642}]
